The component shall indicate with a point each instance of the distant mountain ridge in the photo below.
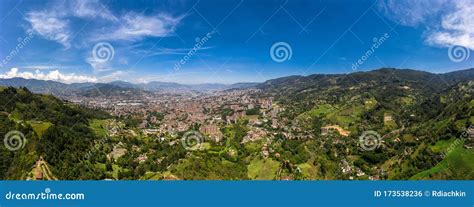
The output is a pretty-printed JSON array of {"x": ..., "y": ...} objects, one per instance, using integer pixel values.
[
  {"x": 406, "y": 76},
  {"x": 290, "y": 84},
  {"x": 391, "y": 88},
  {"x": 90, "y": 89}
]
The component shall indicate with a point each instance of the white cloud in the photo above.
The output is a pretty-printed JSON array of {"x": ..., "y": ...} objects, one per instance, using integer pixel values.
[
  {"x": 53, "y": 75},
  {"x": 99, "y": 66},
  {"x": 457, "y": 27},
  {"x": 411, "y": 12},
  {"x": 55, "y": 23},
  {"x": 59, "y": 23},
  {"x": 446, "y": 22},
  {"x": 45, "y": 67},
  {"x": 50, "y": 26},
  {"x": 116, "y": 75},
  {"x": 91, "y": 9},
  {"x": 135, "y": 26}
]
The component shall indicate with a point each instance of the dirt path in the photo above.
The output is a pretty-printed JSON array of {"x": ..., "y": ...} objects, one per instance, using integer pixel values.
[{"x": 44, "y": 168}]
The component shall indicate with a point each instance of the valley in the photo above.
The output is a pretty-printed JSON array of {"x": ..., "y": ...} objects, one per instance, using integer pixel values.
[{"x": 385, "y": 124}]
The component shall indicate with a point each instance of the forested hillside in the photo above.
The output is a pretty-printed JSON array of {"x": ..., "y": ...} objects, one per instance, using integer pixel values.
[{"x": 52, "y": 128}]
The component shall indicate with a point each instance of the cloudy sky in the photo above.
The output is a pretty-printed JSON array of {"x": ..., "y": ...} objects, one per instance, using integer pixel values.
[{"x": 227, "y": 41}]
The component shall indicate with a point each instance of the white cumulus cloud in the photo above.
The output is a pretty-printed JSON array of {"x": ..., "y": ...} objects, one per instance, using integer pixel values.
[
  {"x": 53, "y": 75},
  {"x": 457, "y": 27},
  {"x": 446, "y": 22}
]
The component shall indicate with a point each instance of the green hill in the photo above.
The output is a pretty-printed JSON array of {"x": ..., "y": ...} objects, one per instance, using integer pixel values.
[{"x": 52, "y": 128}]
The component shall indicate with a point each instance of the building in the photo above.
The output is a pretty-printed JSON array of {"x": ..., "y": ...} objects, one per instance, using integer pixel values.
[
  {"x": 211, "y": 130},
  {"x": 387, "y": 118},
  {"x": 38, "y": 174}
]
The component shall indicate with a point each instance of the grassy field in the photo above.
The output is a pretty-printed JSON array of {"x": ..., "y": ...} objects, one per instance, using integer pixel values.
[
  {"x": 263, "y": 169},
  {"x": 39, "y": 127},
  {"x": 350, "y": 114},
  {"x": 341, "y": 115},
  {"x": 152, "y": 176},
  {"x": 115, "y": 169},
  {"x": 458, "y": 164},
  {"x": 308, "y": 170},
  {"x": 442, "y": 145},
  {"x": 322, "y": 110},
  {"x": 99, "y": 127},
  {"x": 318, "y": 111},
  {"x": 100, "y": 166}
]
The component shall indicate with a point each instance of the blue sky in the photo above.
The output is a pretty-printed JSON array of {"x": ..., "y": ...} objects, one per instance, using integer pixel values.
[{"x": 228, "y": 41}]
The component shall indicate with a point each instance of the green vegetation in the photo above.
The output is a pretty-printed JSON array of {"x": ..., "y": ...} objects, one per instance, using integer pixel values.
[
  {"x": 458, "y": 163},
  {"x": 308, "y": 170},
  {"x": 40, "y": 127},
  {"x": 421, "y": 128},
  {"x": 53, "y": 129},
  {"x": 99, "y": 127},
  {"x": 254, "y": 111},
  {"x": 263, "y": 169}
]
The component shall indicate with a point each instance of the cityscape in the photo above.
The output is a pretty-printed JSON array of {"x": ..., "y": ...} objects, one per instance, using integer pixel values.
[{"x": 253, "y": 90}]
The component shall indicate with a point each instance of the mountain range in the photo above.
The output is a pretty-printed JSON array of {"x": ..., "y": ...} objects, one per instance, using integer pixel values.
[
  {"x": 61, "y": 89},
  {"x": 291, "y": 84}
]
